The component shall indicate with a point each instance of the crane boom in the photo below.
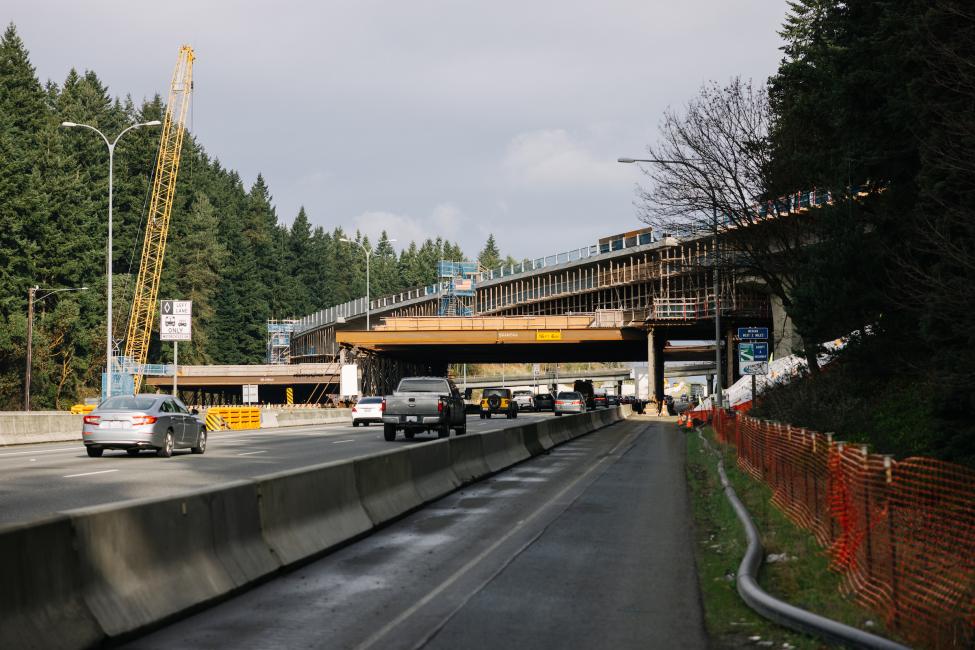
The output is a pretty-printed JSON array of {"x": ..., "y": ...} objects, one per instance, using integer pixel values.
[{"x": 157, "y": 222}]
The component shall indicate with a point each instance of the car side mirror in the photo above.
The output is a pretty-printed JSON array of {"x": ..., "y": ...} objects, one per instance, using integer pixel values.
[{"x": 195, "y": 411}]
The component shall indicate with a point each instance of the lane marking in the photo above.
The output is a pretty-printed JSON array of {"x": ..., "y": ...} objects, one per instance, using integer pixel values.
[
  {"x": 339, "y": 442},
  {"x": 42, "y": 451},
  {"x": 104, "y": 471},
  {"x": 251, "y": 453},
  {"x": 518, "y": 526}
]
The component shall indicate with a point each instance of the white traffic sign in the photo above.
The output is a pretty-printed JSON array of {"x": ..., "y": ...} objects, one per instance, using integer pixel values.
[
  {"x": 753, "y": 367},
  {"x": 250, "y": 393},
  {"x": 175, "y": 320}
]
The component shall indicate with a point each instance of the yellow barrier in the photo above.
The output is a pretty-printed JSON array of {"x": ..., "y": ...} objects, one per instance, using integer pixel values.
[
  {"x": 216, "y": 422},
  {"x": 83, "y": 408},
  {"x": 237, "y": 417}
]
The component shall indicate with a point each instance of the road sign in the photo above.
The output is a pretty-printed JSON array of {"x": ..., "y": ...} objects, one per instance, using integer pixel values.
[
  {"x": 542, "y": 335},
  {"x": 753, "y": 367},
  {"x": 349, "y": 380},
  {"x": 752, "y": 352},
  {"x": 250, "y": 393},
  {"x": 753, "y": 333},
  {"x": 175, "y": 320}
]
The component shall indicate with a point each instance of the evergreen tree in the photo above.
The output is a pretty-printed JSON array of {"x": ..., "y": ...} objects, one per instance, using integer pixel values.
[{"x": 490, "y": 257}]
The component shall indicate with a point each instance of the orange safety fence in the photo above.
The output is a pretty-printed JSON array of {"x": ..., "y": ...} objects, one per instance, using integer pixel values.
[{"x": 900, "y": 533}]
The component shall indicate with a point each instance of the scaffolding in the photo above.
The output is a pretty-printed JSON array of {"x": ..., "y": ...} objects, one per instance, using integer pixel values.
[
  {"x": 279, "y": 333},
  {"x": 458, "y": 297}
]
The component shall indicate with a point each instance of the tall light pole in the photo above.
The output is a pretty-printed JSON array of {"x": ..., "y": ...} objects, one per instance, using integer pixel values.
[
  {"x": 368, "y": 255},
  {"x": 108, "y": 263},
  {"x": 717, "y": 295},
  {"x": 32, "y": 297}
]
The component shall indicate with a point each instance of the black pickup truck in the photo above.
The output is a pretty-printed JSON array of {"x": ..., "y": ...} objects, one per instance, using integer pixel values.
[{"x": 424, "y": 404}]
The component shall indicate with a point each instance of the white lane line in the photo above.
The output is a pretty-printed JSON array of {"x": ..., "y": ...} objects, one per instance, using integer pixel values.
[
  {"x": 486, "y": 553},
  {"x": 339, "y": 442},
  {"x": 104, "y": 471},
  {"x": 251, "y": 453},
  {"x": 41, "y": 451}
]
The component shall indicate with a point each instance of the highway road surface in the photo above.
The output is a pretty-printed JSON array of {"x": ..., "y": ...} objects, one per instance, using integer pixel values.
[
  {"x": 589, "y": 546},
  {"x": 38, "y": 480}
]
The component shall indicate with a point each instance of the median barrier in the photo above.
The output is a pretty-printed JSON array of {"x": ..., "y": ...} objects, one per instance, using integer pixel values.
[
  {"x": 467, "y": 457},
  {"x": 307, "y": 511},
  {"x": 142, "y": 562},
  {"x": 41, "y": 588},
  {"x": 504, "y": 448},
  {"x": 532, "y": 440},
  {"x": 237, "y": 533},
  {"x": 18, "y": 428},
  {"x": 301, "y": 417},
  {"x": 385, "y": 484},
  {"x": 433, "y": 473}
]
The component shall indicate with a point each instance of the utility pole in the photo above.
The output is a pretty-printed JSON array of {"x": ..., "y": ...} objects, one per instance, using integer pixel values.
[{"x": 30, "y": 345}]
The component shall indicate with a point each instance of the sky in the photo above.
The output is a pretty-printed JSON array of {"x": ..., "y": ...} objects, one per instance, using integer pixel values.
[{"x": 425, "y": 118}]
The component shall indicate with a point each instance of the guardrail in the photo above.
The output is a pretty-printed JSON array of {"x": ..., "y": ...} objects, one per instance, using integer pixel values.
[{"x": 901, "y": 533}]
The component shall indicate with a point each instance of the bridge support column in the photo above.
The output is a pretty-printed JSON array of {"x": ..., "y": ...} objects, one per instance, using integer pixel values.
[
  {"x": 784, "y": 336},
  {"x": 655, "y": 364},
  {"x": 730, "y": 359}
]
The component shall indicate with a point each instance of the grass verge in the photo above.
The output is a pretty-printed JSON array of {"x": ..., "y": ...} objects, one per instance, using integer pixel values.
[{"x": 803, "y": 578}]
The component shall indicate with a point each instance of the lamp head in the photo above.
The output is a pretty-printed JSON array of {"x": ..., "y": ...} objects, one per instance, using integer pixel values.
[
  {"x": 68, "y": 124},
  {"x": 152, "y": 123},
  {"x": 625, "y": 160}
]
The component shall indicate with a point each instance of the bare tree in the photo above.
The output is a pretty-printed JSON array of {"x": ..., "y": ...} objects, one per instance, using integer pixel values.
[{"x": 710, "y": 173}]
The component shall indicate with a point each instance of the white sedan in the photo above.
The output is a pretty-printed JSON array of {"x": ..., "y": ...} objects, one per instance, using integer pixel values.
[{"x": 367, "y": 410}]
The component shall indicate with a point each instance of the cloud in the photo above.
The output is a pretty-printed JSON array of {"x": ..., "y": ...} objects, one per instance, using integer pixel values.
[
  {"x": 445, "y": 220},
  {"x": 553, "y": 159}
]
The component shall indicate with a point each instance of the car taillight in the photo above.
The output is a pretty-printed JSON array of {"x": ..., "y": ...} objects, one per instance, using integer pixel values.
[
  {"x": 92, "y": 419},
  {"x": 577, "y": 402},
  {"x": 558, "y": 401},
  {"x": 440, "y": 406},
  {"x": 144, "y": 419},
  {"x": 355, "y": 409},
  {"x": 382, "y": 407}
]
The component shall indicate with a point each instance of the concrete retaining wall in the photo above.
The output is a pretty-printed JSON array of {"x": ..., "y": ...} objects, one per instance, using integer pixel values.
[
  {"x": 18, "y": 428},
  {"x": 79, "y": 578}
]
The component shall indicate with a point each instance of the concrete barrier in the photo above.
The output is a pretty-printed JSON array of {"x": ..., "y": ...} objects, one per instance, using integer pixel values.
[
  {"x": 467, "y": 457},
  {"x": 145, "y": 561},
  {"x": 73, "y": 580},
  {"x": 385, "y": 484},
  {"x": 504, "y": 448},
  {"x": 41, "y": 588},
  {"x": 18, "y": 428},
  {"x": 307, "y": 511},
  {"x": 433, "y": 473},
  {"x": 303, "y": 417}
]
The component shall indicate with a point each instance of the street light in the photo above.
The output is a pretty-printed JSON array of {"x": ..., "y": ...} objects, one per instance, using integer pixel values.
[
  {"x": 31, "y": 299},
  {"x": 717, "y": 295},
  {"x": 368, "y": 255},
  {"x": 108, "y": 264}
]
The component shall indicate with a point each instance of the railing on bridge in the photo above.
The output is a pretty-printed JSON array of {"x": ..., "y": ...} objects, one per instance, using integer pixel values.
[{"x": 356, "y": 308}]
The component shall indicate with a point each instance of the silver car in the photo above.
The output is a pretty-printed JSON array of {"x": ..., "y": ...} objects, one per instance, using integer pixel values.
[
  {"x": 133, "y": 423},
  {"x": 569, "y": 401}
]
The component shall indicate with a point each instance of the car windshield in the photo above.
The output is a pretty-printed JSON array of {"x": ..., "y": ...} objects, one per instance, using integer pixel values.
[
  {"x": 500, "y": 392},
  {"x": 523, "y": 393},
  {"x": 565, "y": 396},
  {"x": 423, "y": 386},
  {"x": 370, "y": 400},
  {"x": 127, "y": 403}
]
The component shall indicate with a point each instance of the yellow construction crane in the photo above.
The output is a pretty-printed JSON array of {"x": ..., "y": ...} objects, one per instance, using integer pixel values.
[{"x": 157, "y": 222}]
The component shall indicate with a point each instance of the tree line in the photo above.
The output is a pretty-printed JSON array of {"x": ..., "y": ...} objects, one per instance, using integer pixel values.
[
  {"x": 227, "y": 251},
  {"x": 872, "y": 103}
]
